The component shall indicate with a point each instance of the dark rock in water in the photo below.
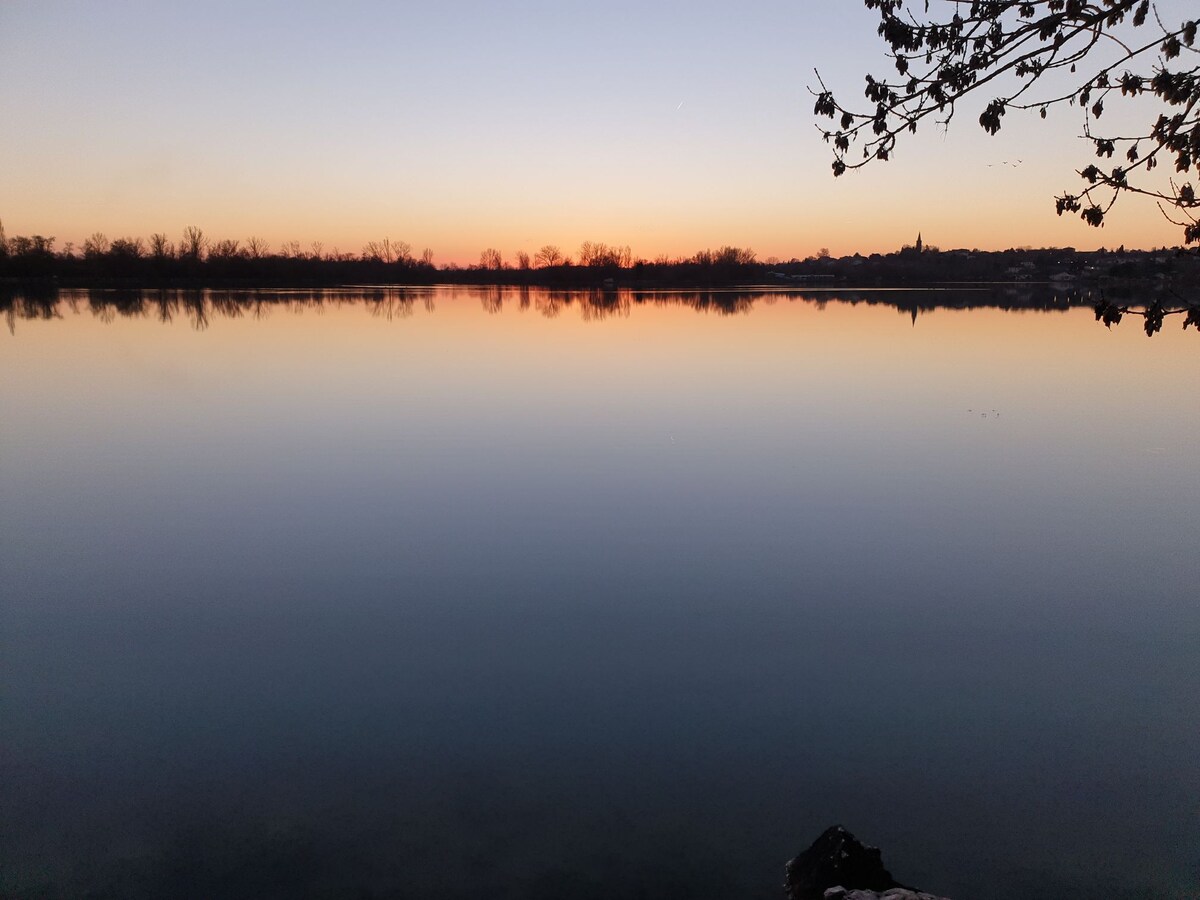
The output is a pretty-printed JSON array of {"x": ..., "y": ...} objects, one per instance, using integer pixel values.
[{"x": 837, "y": 859}]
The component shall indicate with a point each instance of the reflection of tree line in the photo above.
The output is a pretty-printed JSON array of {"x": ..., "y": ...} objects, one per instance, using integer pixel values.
[{"x": 199, "y": 307}]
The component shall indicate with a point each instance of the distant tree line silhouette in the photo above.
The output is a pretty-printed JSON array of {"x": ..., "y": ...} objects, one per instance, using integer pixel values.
[
  {"x": 1122, "y": 282},
  {"x": 195, "y": 258}
]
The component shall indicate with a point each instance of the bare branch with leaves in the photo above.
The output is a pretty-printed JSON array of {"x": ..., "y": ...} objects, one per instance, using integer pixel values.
[{"x": 1034, "y": 55}]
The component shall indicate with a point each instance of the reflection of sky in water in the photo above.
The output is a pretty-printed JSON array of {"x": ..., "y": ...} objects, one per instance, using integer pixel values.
[{"x": 568, "y": 607}]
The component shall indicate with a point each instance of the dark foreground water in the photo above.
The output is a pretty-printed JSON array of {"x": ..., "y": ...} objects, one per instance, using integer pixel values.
[{"x": 482, "y": 594}]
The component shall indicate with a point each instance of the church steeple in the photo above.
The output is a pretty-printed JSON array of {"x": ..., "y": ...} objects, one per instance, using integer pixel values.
[{"x": 920, "y": 245}]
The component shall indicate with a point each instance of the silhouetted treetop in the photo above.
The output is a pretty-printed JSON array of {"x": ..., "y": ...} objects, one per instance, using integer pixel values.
[
  {"x": 549, "y": 256},
  {"x": 492, "y": 259},
  {"x": 1031, "y": 55},
  {"x": 600, "y": 255}
]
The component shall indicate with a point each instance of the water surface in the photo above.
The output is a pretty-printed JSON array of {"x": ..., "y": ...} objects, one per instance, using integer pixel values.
[{"x": 566, "y": 595}]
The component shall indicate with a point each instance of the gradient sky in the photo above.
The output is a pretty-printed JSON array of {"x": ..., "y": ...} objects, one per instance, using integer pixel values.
[{"x": 459, "y": 125}]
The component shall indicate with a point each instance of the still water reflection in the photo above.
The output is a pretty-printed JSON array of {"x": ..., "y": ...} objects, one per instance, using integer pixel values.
[{"x": 566, "y": 595}]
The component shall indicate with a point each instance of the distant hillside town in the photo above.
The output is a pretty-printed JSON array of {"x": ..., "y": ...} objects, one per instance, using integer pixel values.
[{"x": 921, "y": 264}]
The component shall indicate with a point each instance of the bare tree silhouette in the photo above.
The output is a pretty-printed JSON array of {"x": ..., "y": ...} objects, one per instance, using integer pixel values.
[
  {"x": 549, "y": 256},
  {"x": 193, "y": 244}
]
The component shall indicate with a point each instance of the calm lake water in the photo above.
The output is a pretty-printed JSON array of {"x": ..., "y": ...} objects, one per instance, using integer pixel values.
[{"x": 462, "y": 593}]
